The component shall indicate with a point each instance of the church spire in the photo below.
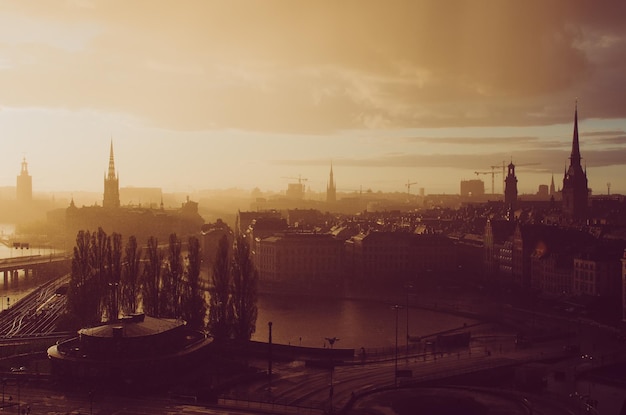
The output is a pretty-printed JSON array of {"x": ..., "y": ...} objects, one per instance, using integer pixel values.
[
  {"x": 331, "y": 188},
  {"x": 575, "y": 185},
  {"x": 111, "y": 184},
  {"x": 111, "y": 174},
  {"x": 575, "y": 156}
]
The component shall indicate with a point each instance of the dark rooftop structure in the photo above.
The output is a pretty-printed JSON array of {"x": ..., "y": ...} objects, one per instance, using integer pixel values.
[{"x": 134, "y": 347}]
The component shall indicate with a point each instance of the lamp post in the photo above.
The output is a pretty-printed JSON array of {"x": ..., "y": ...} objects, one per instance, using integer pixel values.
[
  {"x": 331, "y": 341},
  {"x": 269, "y": 359},
  {"x": 408, "y": 287},
  {"x": 395, "y": 374},
  {"x": 114, "y": 307}
]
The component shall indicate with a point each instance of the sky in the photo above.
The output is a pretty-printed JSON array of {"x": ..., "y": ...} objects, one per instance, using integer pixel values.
[{"x": 243, "y": 94}]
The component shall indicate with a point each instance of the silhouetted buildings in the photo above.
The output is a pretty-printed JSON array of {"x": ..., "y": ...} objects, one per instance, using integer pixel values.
[
  {"x": 301, "y": 260},
  {"x": 397, "y": 257},
  {"x": 472, "y": 188},
  {"x": 141, "y": 222}
]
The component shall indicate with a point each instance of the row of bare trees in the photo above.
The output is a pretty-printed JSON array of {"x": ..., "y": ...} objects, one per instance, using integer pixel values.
[
  {"x": 233, "y": 292},
  {"x": 109, "y": 280}
]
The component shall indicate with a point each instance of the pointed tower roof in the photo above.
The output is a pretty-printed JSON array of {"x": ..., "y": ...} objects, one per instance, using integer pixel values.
[
  {"x": 111, "y": 174},
  {"x": 575, "y": 156}
]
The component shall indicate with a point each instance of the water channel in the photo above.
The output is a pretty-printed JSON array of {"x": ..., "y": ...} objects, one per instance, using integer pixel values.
[{"x": 307, "y": 321}]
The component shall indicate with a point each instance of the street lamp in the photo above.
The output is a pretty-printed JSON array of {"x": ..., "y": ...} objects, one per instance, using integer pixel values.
[
  {"x": 395, "y": 374},
  {"x": 407, "y": 287},
  {"x": 269, "y": 359},
  {"x": 114, "y": 307},
  {"x": 331, "y": 341}
]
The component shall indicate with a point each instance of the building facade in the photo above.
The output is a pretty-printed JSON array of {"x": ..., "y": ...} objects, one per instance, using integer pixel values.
[
  {"x": 398, "y": 257},
  {"x": 300, "y": 259}
]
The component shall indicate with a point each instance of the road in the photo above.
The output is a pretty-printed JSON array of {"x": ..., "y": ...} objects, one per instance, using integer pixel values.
[
  {"x": 298, "y": 385},
  {"x": 43, "y": 400},
  {"x": 295, "y": 384}
]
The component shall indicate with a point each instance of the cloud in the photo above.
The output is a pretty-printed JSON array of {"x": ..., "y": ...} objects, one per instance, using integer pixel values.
[
  {"x": 321, "y": 66},
  {"x": 539, "y": 160}
]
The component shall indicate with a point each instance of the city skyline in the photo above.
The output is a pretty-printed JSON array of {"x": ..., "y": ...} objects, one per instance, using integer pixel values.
[{"x": 217, "y": 95}]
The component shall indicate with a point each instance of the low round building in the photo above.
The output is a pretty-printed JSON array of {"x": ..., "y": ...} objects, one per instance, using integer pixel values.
[{"x": 131, "y": 348}]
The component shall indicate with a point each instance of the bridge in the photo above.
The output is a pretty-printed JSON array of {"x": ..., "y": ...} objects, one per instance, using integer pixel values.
[{"x": 32, "y": 265}]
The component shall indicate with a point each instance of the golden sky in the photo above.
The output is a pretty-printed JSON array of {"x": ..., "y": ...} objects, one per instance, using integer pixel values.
[{"x": 218, "y": 94}]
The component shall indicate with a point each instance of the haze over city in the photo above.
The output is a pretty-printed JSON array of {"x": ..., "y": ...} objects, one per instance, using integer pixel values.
[{"x": 241, "y": 94}]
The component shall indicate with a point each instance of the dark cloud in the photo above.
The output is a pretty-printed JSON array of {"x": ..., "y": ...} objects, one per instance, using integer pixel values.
[
  {"x": 547, "y": 160},
  {"x": 475, "y": 140},
  {"x": 617, "y": 140},
  {"x": 604, "y": 133},
  {"x": 325, "y": 65}
]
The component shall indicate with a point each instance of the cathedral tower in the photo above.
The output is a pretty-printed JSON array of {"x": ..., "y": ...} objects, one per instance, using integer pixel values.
[
  {"x": 510, "y": 190},
  {"x": 24, "y": 185},
  {"x": 575, "y": 191},
  {"x": 111, "y": 185},
  {"x": 331, "y": 188}
]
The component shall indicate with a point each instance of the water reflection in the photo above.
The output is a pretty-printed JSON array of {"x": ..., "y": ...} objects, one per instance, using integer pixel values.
[{"x": 306, "y": 321}]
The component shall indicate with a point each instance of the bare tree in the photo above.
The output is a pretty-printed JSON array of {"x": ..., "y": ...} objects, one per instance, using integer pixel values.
[
  {"x": 220, "y": 315},
  {"x": 172, "y": 281},
  {"x": 244, "y": 290},
  {"x": 193, "y": 304},
  {"x": 151, "y": 280},
  {"x": 99, "y": 257},
  {"x": 113, "y": 275},
  {"x": 83, "y": 301},
  {"x": 130, "y": 277}
]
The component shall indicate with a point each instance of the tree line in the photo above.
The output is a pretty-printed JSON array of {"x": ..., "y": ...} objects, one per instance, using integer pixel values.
[{"x": 109, "y": 280}]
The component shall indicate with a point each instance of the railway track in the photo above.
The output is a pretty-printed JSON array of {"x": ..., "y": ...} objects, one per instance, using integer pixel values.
[{"x": 37, "y": 313}]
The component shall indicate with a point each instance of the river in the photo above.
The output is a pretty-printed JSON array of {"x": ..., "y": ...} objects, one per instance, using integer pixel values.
[{"x": 307, "y": 321}]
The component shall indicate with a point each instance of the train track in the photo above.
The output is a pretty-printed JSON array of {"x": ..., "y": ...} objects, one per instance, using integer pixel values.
[{"x": 37, "y": 313}]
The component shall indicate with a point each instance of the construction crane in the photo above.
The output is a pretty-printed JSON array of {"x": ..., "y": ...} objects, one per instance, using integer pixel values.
[
  {"x": 493, "y": 174},
  {"x": 300, "y": 179},
  {"x": 503, "y": 176},
  {"x": 408, "y": 186},
  {"x": 296, "y": 190}
]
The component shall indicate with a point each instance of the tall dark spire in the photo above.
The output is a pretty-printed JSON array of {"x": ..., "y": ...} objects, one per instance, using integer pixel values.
[
  {"x": 111, "y": 184},
  {"x": 111, "y": 174},
  {"x": 331, "y": 188},
  {"x": 575, "y": 191},
  {"x": 575, "y": 156}
]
